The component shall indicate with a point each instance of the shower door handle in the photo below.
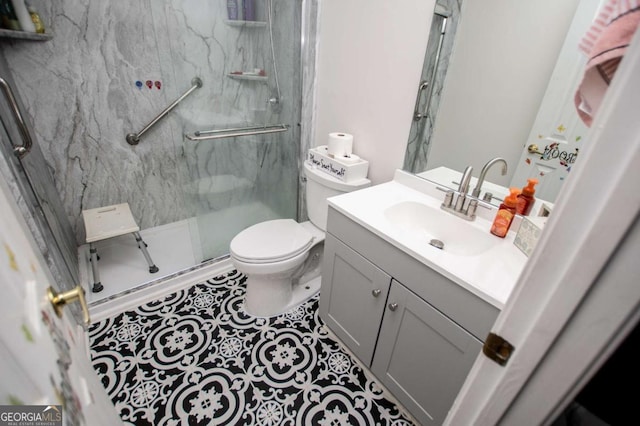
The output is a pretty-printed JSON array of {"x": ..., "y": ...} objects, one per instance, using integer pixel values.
[
  {"x": 19, "y": 150},
  {"x": 417, "y": 115}
]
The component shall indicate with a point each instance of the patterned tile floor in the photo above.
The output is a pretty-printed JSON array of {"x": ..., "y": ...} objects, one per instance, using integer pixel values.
[{"x": 195, "y": 358}]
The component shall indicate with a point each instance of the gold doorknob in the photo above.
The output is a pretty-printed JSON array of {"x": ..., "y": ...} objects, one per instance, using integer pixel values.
[
  {"x": 59, "y": 300},
  {"x": 533, "y": 149}
]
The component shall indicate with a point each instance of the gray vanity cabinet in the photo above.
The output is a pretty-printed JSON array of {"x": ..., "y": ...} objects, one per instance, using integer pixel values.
[
  {"x": 422, "y": 356},
  {"x": 352, "y": 301},
  {"x": 416, "y": 330}
]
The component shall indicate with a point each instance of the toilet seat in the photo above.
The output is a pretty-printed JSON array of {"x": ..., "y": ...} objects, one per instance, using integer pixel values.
[{"x": 271, "y": 241}]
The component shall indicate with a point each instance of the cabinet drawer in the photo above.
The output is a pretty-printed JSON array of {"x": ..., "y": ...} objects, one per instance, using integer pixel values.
[{"x": 352, "y": 297}]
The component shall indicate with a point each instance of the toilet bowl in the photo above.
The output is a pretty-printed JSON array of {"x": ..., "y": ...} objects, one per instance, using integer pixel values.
[
  {"x": 282, "y": 258},
  {"x": 273, "y": 254}
]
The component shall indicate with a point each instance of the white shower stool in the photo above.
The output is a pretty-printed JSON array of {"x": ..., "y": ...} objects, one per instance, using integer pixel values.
[{"x": 108, "y": 222}]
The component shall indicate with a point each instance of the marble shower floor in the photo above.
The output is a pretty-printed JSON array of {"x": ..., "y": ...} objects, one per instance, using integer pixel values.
[{"x": 194, "y": 357}]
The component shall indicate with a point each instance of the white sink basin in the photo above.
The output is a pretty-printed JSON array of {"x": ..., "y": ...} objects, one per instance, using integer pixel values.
[{"x": 427, "y": 223}]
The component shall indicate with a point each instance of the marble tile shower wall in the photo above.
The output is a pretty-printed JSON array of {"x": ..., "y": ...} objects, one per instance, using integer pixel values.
[
  {"x": 80, "y": 90},
  {"x": 421, "y": 132},
  {"x": 254, "y": 168}
]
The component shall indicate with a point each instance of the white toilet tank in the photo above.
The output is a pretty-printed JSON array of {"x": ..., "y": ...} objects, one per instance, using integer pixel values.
[{"x": 321, "y": 186}]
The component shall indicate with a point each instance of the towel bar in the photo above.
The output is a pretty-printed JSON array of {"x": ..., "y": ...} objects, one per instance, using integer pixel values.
[{"x": 202, "y": 135}]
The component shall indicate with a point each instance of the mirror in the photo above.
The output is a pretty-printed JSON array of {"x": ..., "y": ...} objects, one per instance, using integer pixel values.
[{"x": 504, "y": 79}]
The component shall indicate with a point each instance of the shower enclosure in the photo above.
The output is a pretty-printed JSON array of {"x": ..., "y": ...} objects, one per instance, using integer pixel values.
[
  {"x": 240, "y": 135},
  {"x": 444, "y": 23},
  {"x": 112, "y": 67}
]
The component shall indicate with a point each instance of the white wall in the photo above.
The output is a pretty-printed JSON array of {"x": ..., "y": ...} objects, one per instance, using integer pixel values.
[
  {"x": 503, "y": 57},
  {"x": 370, "y": 56}
]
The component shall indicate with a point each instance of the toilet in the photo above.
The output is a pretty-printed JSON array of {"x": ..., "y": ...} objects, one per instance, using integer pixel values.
[{"x": 282, "y": 258}]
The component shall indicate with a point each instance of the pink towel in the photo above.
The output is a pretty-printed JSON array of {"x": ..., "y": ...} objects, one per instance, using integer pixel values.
[{"x": 605, "y": 44}]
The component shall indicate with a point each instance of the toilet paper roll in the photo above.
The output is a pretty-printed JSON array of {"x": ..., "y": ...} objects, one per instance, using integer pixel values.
[
  {"x": 340, "y": 144},
  {"x": 351, "y": 159}
]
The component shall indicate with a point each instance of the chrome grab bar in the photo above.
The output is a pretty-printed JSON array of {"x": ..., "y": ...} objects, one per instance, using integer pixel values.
[
  {"x": 202, "y": 135},
  {"x": 134, "y": 138},
  {"x": 417, "y": 115},
  {"x": 19, "y": 150}
]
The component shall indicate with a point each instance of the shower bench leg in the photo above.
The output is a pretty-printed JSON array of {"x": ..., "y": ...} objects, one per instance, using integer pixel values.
[
  {"x": 143, "y": 246},
  {"x": 97, "y": 285}
]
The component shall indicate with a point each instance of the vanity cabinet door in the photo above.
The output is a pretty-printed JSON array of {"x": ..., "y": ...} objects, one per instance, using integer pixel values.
[
  {"x": 422, "y": 356},
  {"x": 352, "y": 297}
]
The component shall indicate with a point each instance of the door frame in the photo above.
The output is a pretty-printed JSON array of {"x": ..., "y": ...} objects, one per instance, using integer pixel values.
[{"x": 559, "y": 287}]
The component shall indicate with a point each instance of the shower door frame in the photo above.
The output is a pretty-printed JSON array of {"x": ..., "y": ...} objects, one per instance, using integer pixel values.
[{"x": 32, "y": 186}]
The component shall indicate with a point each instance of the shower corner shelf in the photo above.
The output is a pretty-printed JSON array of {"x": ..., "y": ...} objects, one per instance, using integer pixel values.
[
  {"x": 251, "y": 24},
  {"x": 24, "y": 35},
  {"x": 248, "y": 77}
]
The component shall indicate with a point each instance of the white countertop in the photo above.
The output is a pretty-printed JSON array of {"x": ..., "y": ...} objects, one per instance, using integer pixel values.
[{"x": 491, "y": 275}]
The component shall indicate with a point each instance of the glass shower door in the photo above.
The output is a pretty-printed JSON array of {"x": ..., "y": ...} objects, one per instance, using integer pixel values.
[
  {"x": 252, "y": 78},
  {"x": 436, "y": 61},
  {"x": 32, "y": 185},
  {"x": 246, "y": 180}
]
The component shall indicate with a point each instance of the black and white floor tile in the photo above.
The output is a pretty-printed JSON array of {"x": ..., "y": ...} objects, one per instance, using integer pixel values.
[{"x": 195, "y": 358}]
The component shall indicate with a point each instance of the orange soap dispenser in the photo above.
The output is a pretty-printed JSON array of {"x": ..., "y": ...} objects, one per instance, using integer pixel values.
[
  {"x": 526, "y": 199},
  {"x": 506, "y": 212}
]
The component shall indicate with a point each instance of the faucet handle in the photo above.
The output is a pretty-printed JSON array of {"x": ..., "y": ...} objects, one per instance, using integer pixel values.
[
  {"x": 471, "y": 210},
  {"x": 448, "y": 199}
]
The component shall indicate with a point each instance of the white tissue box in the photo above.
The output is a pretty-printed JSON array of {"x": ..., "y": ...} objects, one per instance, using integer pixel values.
[
  {"x": 529, "y": 233},
  {"x": 347, "y": 169}
]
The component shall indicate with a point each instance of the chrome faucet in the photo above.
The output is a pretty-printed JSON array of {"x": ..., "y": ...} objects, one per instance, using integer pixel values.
[
  {"x": 463, "y": 188},
  {"x": 476, "y": 191},
  {"x": 458, "y": 208}
]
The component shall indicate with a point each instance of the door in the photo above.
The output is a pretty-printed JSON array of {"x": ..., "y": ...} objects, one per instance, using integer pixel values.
[
  {"x": 422, "y": 356},
  {"x": 44, "y": 358},
  {"x": 566, "y": 294},
  {"x": 558, "y": 134},
  {"x": 353, "y": 296},
  {"x": 33, "y": 186}
]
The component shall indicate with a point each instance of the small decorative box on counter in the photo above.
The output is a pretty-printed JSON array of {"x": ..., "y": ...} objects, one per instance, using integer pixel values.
[
  {"x": 347, "y": 169},
  {"x": 529, "y": 233}
]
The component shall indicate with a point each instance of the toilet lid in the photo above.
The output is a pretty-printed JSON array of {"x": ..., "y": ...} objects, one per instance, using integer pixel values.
[{"x": 271, "y": 241}]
